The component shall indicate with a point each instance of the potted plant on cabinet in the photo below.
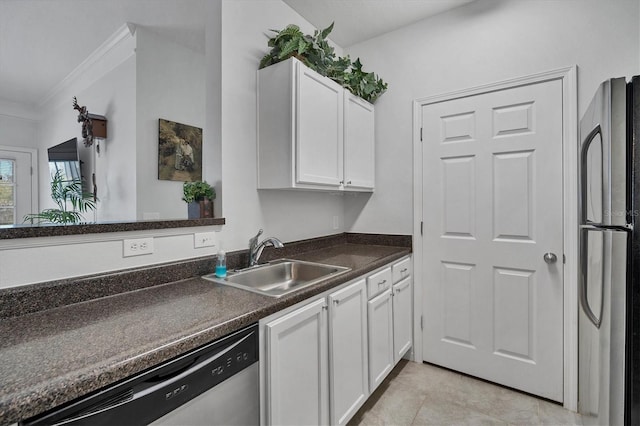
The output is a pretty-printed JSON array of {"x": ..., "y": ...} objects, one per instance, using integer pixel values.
[
  {"x": 316, "y": 53},
  {"x": 199, "y": 196}
]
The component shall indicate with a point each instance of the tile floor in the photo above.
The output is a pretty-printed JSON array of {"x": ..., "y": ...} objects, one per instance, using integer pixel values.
[{"x": 422, "y": 394}]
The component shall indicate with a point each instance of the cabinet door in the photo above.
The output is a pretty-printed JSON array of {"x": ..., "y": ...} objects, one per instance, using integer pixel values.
[
  {"x": 348, "y": 358},
  {"x": 380, "y": 316},
  {"x": 402, "y": 318},
  {"x": 319, "y": 135},
  {"x": 359, "y": 143},
  {"x": 297, "y": 373}
]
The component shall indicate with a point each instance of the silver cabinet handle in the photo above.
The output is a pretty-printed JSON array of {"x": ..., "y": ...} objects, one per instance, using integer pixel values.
[
  {"x": 336, "y": 301},
  {"x": 550, "y": 258},
  {"x": 403, "y": 270},
  {"x": 382, "y": 282},
  {"x": 348, "y": 182}
]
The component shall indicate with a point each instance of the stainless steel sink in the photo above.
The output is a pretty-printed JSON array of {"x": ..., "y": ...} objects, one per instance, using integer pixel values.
[{"x": 279, "y": 277}]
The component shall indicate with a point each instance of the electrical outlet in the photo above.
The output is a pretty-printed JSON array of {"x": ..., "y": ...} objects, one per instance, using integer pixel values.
[
  {"x": 138, "y": 247},
  {"x": 204, "y": 239}
]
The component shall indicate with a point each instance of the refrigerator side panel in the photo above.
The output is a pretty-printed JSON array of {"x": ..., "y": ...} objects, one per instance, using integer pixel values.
[
  {"x": 617, "y": 325},
  {"x": 632, "y": 412}
]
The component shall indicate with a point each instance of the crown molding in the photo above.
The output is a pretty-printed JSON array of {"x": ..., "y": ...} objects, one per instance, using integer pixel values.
[{"x": 114, "y": 51}]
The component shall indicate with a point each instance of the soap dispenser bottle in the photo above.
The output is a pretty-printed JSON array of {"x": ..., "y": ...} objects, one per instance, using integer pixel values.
[{"x": 221, "y": 264}]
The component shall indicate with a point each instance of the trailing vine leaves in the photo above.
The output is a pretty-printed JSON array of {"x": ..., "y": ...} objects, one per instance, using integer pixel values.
[
  {"x": 367, "y": 85},
  {"x": 316, "y": 53},
  {"x": 63, "y": 193}
]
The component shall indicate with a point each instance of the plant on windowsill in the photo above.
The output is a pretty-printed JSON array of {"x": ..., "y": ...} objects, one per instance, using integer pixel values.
[
  {"x": 199, "y": 197},
  {"x": 316, "y": 53},
  {"x": 65, "y": 193}
]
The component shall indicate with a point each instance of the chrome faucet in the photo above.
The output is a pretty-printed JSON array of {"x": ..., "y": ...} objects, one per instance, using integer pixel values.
[{"x": 255, "y": 248}]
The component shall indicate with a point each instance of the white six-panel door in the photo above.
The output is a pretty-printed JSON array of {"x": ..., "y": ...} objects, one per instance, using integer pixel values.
[{"x": 492, "y": 207}]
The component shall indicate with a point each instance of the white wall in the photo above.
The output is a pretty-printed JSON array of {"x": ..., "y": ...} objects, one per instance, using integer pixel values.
[
  {"x": 287, "y": 215},
  {"x": 170, "y": 85},
  {"x": 17, "y": 131},
  {"x": 483, "y": 42},
  {"x": 106, "y": 86},
  {"x": 114, "y": 96}
]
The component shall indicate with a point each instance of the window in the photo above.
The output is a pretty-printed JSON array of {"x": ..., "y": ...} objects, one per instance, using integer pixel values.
[
  {"x": 70, "y": 169},
  {"x": 7, "y": 192}
]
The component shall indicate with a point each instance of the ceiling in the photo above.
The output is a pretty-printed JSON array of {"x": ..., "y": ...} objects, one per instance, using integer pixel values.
[
  {"x": 50, "y": 38},
  {"x": 359, "y": 20}
]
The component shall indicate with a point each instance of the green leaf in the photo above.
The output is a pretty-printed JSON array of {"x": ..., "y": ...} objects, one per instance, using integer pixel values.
[
  {"x": 290, "y": 47},
  {"x": 302, "y": 46},
  {"x": 324, "y": 33}
]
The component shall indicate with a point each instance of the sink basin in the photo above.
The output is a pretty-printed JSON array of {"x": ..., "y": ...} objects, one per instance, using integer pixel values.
[{"x": 279, "y": 277}]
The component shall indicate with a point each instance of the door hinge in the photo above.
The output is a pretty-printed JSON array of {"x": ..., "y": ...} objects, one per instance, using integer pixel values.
[
  {"x": 421, "y": 323},
  {"x": 564, "y": 259},
  {"x": 420, "y": 134},
  {"x": 421, "y": 227}
]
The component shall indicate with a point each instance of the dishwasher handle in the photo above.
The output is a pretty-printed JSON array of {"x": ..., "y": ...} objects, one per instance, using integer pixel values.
[{"x": 151, "y": 395}]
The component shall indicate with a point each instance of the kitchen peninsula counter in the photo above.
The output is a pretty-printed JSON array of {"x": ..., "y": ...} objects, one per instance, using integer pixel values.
[{"x": 51, "y": 356}]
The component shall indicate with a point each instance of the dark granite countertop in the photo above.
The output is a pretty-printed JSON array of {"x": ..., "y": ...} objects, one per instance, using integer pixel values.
[
  {"x": 55, "y": 230},
  {"x": 53, "y": 356}
]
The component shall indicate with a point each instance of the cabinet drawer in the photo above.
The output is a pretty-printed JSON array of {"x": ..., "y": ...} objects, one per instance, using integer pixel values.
[
  {"x": 378, "y": 282},
  {"x": 401, "y": 270}
]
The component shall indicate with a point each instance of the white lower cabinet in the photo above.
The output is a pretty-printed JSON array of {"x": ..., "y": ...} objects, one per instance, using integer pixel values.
[
  {"x": 402, "y": 318},
  {"x": 380, "y": 312},
  {"x": 348, "y": 358},
  {"x": 297, "y": 367},
  {"x": 322, "y": 360}
]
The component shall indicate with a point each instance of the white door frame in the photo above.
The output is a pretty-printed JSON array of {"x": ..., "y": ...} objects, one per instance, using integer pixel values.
[
  {"x": 568, "y": 77},
  {"x": 34, "y": 172}
]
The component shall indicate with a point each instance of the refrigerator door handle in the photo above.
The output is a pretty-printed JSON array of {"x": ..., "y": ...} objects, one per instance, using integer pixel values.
[
  {"x": 584, "y": 302},
  {"x": 583, "y": 171}
]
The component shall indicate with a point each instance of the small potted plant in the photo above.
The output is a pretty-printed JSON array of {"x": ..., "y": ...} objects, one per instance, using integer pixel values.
[{"x": 199, "y": 196}]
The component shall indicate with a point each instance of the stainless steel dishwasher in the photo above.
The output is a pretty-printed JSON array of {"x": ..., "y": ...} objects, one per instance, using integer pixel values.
[{"x": 217, "y": 384}]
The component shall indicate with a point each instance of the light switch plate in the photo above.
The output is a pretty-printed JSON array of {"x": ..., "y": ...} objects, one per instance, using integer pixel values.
[{"x": 204, "y": 239}]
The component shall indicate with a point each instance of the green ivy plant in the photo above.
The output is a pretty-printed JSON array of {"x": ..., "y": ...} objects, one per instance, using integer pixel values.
[
  {"x": 313, "y": 51},
  {"x": 65, "y": 193},
  {"x": 367, "y": 85},
  {"x": 316, "y": 53},
  {"x": 197, "y": 191}
]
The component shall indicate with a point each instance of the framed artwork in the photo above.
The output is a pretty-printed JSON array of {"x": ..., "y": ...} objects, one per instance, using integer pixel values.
[{"x": 179, "y": 151}]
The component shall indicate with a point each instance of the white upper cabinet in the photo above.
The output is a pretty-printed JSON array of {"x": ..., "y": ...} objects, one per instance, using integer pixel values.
[
  {"x": 359, "y": 143},
  {"x": 312, "y": 133},
  {"x": 319, "y": 137}
]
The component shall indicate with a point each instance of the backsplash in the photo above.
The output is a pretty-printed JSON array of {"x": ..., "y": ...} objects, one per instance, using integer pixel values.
[{"x": 17, "y": 301}]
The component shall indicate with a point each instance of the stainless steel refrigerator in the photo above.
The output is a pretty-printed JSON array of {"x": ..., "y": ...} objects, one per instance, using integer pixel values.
[{"x": 608, "y": 295}]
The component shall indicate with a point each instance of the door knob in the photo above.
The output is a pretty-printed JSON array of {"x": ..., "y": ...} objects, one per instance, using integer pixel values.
[{"x": 550, "y": 258}]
